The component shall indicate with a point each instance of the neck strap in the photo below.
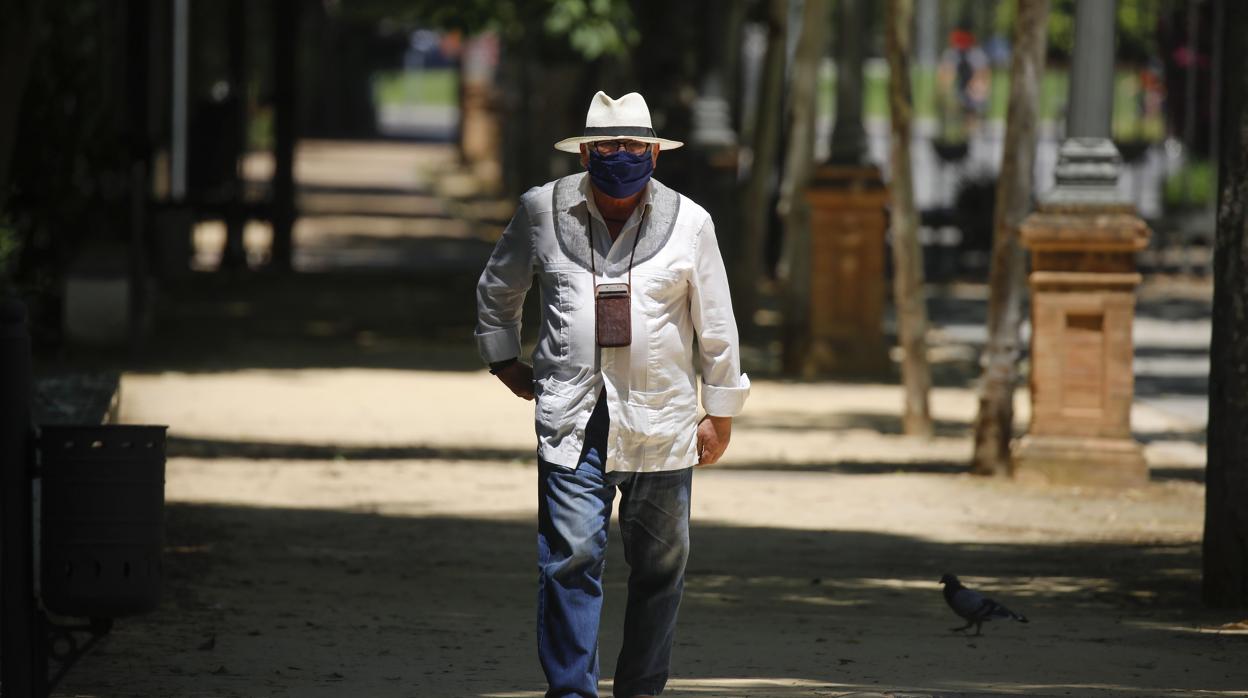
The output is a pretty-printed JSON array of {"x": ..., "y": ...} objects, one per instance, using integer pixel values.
[{"x": 589, "y": 231}]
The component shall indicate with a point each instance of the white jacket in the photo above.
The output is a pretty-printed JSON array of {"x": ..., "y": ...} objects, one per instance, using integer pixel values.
[{"x": 679, "y": 288}]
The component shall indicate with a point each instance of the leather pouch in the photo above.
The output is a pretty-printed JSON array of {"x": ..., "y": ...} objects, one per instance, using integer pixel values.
[{"x": 613, "y": 319}]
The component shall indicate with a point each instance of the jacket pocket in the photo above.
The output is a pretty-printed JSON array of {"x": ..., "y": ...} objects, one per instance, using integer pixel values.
[
  {"x": 661, "y": 285},
  {"x": 553, "y": 398},
  {"x": 662, "y": 415}
]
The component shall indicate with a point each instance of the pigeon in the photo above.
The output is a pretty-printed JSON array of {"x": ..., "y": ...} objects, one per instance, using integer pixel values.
[{"x": 973, "y": 606}]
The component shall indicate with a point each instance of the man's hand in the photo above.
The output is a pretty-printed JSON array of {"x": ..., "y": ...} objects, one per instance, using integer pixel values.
[
  {"x": 519, "y": 378},
  {"x": 713, "y": 436}
]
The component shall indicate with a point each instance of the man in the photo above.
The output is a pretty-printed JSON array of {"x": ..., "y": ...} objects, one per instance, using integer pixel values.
[{"x": 629, "y": 271}]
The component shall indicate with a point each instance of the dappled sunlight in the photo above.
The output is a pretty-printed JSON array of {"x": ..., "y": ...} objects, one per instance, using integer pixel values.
[
  {"x": 344, "y": 407},
  {"x": 824, "y": 426},
  {"x": 444, "y": 602},
  {"x": 356, "y": 164},
  {"x": 278, "y": 227},
  {"x": 1236, "y": 630}
]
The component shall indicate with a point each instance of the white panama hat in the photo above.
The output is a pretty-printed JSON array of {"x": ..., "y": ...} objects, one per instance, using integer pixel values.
[{"x": 609, "y": 119}]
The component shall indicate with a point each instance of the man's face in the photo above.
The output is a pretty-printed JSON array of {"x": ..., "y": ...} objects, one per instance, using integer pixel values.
[{"x": 613, "y": 146}]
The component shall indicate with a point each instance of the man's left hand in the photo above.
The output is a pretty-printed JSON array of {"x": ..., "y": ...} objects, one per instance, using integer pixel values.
[{"x": 713, "y": 436}]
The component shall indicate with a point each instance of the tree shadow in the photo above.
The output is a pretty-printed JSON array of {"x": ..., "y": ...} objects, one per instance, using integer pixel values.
[
  {"x": 1175, "y": 308},
  {"x": 237, "y": 449},
  {"x": 187, "y": 447},
  {"x": 217, "y": 322},
  {"x": 889, "y": 424},
  {"x": 303, "y": 602}
]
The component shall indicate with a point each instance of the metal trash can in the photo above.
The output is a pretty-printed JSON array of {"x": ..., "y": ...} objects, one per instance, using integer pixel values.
[{"x": 103, "y": 497}]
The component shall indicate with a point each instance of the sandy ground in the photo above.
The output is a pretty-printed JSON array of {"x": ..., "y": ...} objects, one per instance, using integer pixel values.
[{"x": 371, "y": 532}]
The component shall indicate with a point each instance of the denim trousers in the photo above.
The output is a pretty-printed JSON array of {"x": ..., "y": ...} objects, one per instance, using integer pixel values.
[{"x": 574, "y": 511}]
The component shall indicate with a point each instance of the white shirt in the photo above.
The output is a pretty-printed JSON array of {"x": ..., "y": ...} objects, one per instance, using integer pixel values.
[{"x": 679, "y": 289}]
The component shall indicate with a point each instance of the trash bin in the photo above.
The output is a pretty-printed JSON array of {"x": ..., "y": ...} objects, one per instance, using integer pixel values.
[{"x": 102, "y": 515}]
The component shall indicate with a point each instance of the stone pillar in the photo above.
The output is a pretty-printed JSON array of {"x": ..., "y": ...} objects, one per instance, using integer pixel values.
[
  {"x": 1083, "y": 241},
  {"x": 847, "y": 199},
  {"x": 847, "y": 225},
  {"x": 849, "y": 138},
  {"x": 1083, "y": 283}
]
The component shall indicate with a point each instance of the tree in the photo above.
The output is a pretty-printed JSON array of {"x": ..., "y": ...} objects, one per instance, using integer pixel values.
[
  {"x": 757, "y": 196},
  {"x": 1225, "y": 550},
  {"x": 908, "y": 296},
  {"x": 798, "y": 164},
  {"x": 590, "y": 28},
  {"x": 19, "y": 32},
  {"x": 1006, "y": 279}
]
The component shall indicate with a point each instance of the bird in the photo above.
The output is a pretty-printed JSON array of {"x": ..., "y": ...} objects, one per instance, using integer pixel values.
[{"x": 973, "y": 606}]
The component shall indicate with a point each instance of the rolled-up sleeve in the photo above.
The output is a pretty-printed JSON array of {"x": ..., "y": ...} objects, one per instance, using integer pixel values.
[
  {"x": 501, "y": 291},
  {"x": 724, "y": 386}
]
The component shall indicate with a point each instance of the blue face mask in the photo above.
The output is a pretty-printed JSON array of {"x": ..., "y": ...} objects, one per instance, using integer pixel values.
[{"x": 620, "y": 175}]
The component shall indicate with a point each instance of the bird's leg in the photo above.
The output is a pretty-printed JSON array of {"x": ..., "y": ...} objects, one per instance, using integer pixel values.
[
  {"x": 979, "y": 628},
  {"x": 969, "y": 623}
]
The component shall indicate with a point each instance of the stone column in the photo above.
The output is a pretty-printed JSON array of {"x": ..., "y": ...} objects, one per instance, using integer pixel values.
[
  {"x": 849, "y": 138},
  {"x": 1083, "y": 241},
  {"x": 847, "y": 199}
]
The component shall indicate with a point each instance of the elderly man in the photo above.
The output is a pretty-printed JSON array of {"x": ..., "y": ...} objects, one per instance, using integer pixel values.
[{"x": 630, "y": 274}]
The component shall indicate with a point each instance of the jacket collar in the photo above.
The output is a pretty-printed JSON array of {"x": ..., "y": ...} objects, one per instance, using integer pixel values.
[
  {"x": 571, "y": 218},
  {"x": 586, "y": 197}
]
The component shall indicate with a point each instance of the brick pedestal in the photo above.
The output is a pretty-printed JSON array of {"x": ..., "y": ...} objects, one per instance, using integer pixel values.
[
  {"x": 847, "y": 227},
  {"x": 1083, "y": 283}
]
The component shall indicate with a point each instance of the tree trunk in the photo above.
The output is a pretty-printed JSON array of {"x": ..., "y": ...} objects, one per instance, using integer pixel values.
[
  {"x": 795, "y": 263},
  {"x": 18, "y": 32},
  {"x": 908, "y": 295},
  {"x": 757, "y": 195},
  {"x": 1225, "y": 563},
  {"x": 1006, "y": 284},
  {"x": 286, "y": 18},
  {"x": 234, "y": 256}
]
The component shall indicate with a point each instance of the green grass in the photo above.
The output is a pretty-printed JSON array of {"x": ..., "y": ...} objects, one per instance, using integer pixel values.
[
  {"x": 436, "y": 86},
  {"x": 260, "y": 130},
  {"x": 1193, "y": 186},
  {"x": 439, "y": 86},
  {"x": 1053, "y": 89},
  {"x": 1127, "y": 123}
]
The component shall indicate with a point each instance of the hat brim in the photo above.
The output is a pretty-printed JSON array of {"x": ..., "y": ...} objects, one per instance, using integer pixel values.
[{"x": 573, "y": 145}]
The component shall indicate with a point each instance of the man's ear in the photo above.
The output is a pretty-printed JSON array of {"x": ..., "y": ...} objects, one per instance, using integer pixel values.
[
  {"x": 584, "y": 155},
  {"x": 654, "y": 154}
]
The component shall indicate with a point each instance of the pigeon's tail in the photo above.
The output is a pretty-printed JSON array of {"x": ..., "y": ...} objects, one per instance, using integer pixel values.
[{"x": 999, "y": 611}]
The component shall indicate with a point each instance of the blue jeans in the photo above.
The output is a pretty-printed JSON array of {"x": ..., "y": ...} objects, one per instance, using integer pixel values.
[{"x": 574, "y": 510}]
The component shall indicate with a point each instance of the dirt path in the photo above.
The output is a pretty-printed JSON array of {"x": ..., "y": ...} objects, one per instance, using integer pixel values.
[
  {"x": 336, "y": 530},
  {"x": 371, "y": 532}
]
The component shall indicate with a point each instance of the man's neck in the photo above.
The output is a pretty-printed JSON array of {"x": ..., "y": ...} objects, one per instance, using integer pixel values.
[{"x": 614, "y": 209}]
